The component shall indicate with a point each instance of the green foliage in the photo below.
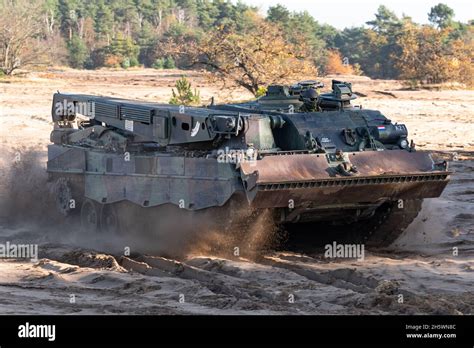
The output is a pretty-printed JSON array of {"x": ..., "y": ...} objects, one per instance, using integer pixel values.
[
  {"x": 78, "y": 53},
  {"x": 372, "y": 48},
  {"x": 184, "y": 95},
  {"x": 103, "y": 20},
  {"x": 385, "y": 21},
  {"x": 134, "y": 62},
  {"x": 125, "y": 63},
  {"x": 169, "y": 63},
  {"x": 124, "y": 47},
  {"x": 262, "y": 90},
  {"x": 302, "y": 27},
  {"x": 279, "y": 14},
  {"x": 122, "y": 32},
  {"x": 164, "y": 63},
  {"x": 441, "y": 15},
  {"x": 158, "y": 64},
  {"x": 128, "y": 33},
  {"x": 176, "y": 30},
  {"x": 122, "y": 52}
]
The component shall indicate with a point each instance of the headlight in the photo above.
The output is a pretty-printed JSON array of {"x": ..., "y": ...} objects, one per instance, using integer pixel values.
[{"x": 403, "y": 143}]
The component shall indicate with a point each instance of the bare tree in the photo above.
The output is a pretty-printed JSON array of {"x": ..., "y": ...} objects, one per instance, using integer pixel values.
[{"x": 20, "y": 29}]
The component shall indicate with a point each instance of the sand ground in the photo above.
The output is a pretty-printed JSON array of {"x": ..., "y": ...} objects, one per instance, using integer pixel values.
[{"x": 419, "y": 273}]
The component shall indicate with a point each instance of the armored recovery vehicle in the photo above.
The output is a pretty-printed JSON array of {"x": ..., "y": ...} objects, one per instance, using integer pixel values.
[{"x": 305, "y": 156}]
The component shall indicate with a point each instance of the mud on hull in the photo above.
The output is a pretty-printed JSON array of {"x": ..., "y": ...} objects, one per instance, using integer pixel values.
[{"x": 309, "y": 186}]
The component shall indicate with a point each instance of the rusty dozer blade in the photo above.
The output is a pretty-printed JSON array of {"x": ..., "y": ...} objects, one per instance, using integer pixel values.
[{"x": 380, "y": 175}]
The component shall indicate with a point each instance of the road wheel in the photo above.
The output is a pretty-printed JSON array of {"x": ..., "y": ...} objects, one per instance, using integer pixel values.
[
  {"x": 90, "y": 216},
  {"x": 65, "y": 202},
  {"x": 110, "y": 221}
]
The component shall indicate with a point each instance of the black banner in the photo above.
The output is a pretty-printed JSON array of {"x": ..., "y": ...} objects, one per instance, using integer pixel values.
[{"x": 138, "y": 331}]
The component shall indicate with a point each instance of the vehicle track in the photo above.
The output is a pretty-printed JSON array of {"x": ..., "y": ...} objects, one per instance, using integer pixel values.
[{"x": 353, "y": 290}]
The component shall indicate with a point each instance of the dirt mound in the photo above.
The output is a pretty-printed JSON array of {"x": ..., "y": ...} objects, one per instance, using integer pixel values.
[
  {"x": 91, "y": 259},
  {"x": 80, "y": 257}
]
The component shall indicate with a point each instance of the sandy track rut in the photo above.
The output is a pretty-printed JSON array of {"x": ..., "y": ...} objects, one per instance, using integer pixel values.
[
  {"x": 419, "y": 266},
  {"x": 303, "y": 287}
]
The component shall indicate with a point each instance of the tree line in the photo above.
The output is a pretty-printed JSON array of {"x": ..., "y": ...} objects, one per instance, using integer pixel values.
[{"x": 232, "y": 40}]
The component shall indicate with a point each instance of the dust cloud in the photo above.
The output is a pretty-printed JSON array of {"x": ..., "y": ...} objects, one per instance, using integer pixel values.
[{"x": 29, "y": 213}]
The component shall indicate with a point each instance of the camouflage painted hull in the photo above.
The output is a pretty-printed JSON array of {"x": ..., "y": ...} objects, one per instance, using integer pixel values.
[{"x": 307, "y": 180}]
